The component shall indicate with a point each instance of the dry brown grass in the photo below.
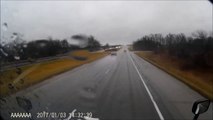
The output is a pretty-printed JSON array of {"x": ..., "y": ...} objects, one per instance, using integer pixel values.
[
  {"x": 199, "y": 79},
  {"x": 81, "y": 53},
  {"x": 36, "y": 73}
]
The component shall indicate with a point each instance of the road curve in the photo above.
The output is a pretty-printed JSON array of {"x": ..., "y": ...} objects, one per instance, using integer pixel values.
[{"x": 122, "y": 87}]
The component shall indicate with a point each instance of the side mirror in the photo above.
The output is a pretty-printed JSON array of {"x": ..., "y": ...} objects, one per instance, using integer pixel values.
[{"x": 199, "y": 107}]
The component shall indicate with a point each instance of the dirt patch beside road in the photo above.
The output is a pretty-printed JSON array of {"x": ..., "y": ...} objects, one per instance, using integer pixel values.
[{"x": 16, "y": 79}]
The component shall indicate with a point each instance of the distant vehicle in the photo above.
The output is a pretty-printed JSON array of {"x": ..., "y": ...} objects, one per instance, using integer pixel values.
[
  {"x": 113, "y": 53},
  {"x": 113, "y": 48}
]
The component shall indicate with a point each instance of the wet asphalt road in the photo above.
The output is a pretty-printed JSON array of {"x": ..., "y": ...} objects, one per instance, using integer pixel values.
[{"x": 122, "y": 87}]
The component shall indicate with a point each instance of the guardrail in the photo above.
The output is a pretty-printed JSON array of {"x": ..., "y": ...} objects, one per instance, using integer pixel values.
[{"x": 29, "y": 62}]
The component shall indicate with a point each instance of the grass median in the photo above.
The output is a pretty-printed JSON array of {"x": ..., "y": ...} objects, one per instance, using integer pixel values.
[
  {"x": 11, "y": 81},
  {"x": 200, "y": 80}
]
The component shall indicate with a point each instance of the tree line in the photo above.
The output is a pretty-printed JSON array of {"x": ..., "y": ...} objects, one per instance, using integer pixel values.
[
  {"x": 196, "y": 50},
  {"x": 19, "y": 49}
]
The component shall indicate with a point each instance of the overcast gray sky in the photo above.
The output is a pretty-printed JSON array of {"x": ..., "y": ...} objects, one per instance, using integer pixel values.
[{"x": 114, "y": 22}]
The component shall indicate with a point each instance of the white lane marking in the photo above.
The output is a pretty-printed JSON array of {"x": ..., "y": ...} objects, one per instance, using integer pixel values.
[
  {"x": 147, "y": 89},
  {"x": 107, "y": 71}
]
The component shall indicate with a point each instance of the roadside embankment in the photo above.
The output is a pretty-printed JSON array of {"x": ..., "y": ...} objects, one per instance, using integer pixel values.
[
  {"x": 200, "y": 80},
  {"x": 16, "y": 79}
]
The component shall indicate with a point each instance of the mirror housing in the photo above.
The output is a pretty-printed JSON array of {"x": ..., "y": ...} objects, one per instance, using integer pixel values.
[{"x": 200, "y": 106}]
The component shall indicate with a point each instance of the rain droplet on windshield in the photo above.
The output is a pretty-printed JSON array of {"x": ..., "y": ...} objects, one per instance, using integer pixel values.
[
  {"x": 19, "y": 71},
  {"x": 5, "y": 26},
  {"x": 25, "y": 45},
  {"x": 2, "y": 43},
  {"x": 15, "y": 33},
  {"x": 13, "y": 37},
  {"x": 42, "y": 44},
  {"x": 4, "y": 53},
  {"x": 24, "y": 103},
  {"x": 17, "y": 57}
]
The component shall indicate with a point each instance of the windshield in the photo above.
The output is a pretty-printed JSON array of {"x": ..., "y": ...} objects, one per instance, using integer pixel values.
[{"x": 105, "y": 60}]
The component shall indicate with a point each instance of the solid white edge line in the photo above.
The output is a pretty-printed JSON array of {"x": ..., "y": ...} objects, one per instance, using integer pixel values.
[{"x": 147, "y": 89}]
